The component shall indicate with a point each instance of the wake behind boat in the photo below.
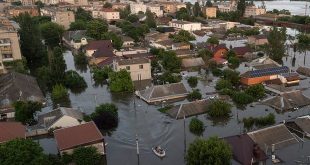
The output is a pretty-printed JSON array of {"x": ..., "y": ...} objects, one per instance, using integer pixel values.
[{"x": 159, "y": 151}]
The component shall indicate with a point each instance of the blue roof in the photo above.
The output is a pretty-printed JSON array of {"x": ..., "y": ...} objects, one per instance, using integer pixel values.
[{"x": 266, "y": 72}]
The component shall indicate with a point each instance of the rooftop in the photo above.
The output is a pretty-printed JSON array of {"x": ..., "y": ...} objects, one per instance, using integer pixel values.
[
  {"x": 188, "y": 109},
  {"x": 265, "y": 72},
  {"x": 71, "y": 137},
  {"x": 192, "y": 62},
  {"x": 11, "y": 130},
  {"x": 304, "y": 123},
  {"x": 240, "y": 51},
  {"x": 303, "y": 71},
  {"x": 133, "y": 61}
]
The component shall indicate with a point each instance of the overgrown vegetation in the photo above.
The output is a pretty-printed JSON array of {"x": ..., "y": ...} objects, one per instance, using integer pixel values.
[
  {"x": 218, "y": 108},
  {"x": 196, "y": 126},
  {"x": 25, "y": 111},
  {"x": 105, "y": 116},
  {"x": 120, "y": 81},
  {"x": 194, "y": 95},
  {"x": 259, "y": 121},
  {"x": 192, "y": 81}
]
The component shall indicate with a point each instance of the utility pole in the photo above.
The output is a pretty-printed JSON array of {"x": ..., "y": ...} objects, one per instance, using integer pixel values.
[
  {"x": 138, "y": 153},
  {"x": 184, "y": 135}
]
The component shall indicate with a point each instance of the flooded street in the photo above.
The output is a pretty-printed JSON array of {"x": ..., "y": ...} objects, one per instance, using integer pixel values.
[{"x": 154, "y": 128}]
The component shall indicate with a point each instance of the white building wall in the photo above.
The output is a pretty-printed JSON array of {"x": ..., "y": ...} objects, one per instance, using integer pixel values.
[{"x": 66, "y": 121}]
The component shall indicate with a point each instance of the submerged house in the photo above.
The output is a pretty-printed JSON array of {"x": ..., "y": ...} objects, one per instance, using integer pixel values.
[
  {"x": 288, "y": 101},
  {"x": 303, "y": 71},
  {"x": 100, "y": 52},
  {"x": 188, "y": 109},
  {"x": 161, "y": 93},
  {"x": 84, "y": 135},
  {"x": 188, "y": 63},
  {"x": 11, "y": 130},
  {"x": 304, "y": 124},
  {"x": 17, "y": 87},
  {"x": 76, "y": 39},
  {"x": 245, "y": 150}
]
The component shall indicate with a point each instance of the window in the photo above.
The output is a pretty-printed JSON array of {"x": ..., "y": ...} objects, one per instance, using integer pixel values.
[
  {"x": 140, "y": 66},
  {"x": 127, "y": 67}
]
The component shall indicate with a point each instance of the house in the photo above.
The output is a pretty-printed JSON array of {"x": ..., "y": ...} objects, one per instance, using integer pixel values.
[
  {"x": 277, "y": 135},
  {"x": 9, "y": 43},
  {"x": 119, "y": 6},
  {"x": 185, "y": 53},
  {"x": 185, "y": 25},
  {"x": 139, "y": 68},
  {"x": 189, "y": 109},
  {"x": 131, "y": 51},
  {"x": 303, "y": 71},
  {"x": 242, "y": 51},
  {"x": 254, "y": 11},
  {"x": 100, "y": 52},
  {"x": 28, "y": 2},
  {"x": 60, "y": 118},
  {"x": 84, "y": 135},
  {"x": 14, "y": 11},
  {"x": 76, "y": 39},
  {"x": 163, "y": 21},
  {"x": 262, "y": 63},
  {"x": 162, "y": 93},
  {"x": 245, "y": 151},
  {"x": 304, "y": 124},
  {"x": 163, "y": 44},
  {"x": 209, "y": 12},
  {"x": 289, "y": 78},
  {"x": 257, "y": 40},
  {"x": 155, "y": 8},
  {"x": 11, "y": 130},
  {"x": 16, "y": 86},
  {"x": 219, "y": 61},
  {"x": 135, "y": 8},
  {"x": 258, "y": 76},
  {"x": 181, "y": 46},
  {"x": 172, "y": 7},
  {"x": 75, "y": 2},
  {"x": 288, "y": 101},
  {"x": 127, "y": 41},
  {"x": 218, "y": 51},
  {"x": 61, "y": 16},
  {"x": 192, "y": 63},
  {"x": 106, "y": 14}
]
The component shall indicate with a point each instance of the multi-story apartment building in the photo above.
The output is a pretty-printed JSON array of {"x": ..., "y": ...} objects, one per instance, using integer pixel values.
[
  {"x": 14, "y": 11},
  {"x": 76, "y": 2},
  {"x": 254, "y": 11},
  {"x": 50, "y": 2},
  {"x": 185, "y": 25},
  {"x": 107, "y": 14},
  {"x": 60, "y": 16},
  {"x": 156, "y": 9},
  {"x": 121, "y": 6},
  {"x": 9, "y": 43},
  {"x": 209, "y": 12},
  {"x": 28, "y": 2},
  {"x": 139, "y": 68},
  {"x": 135, "y": 8},
  {"x": 172, "y": 7}
]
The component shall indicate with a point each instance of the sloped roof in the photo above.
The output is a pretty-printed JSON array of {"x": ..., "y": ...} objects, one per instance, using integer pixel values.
[
  {"x": 133, "y": 61},
  {"x": 188, "y": 109},
  {"x": 259, "y": 36},
  {"x": 304, "y": 71},
  {"x": 95, "y": 45},
  {"x": 304, "y": 123},
  {"x": 240, "y": 51},
  {"x": 262, "y": 61},
  {"x": 48, "y": 119},
  {"x": 163, "y": 91},
  {"x": 278, "y": 135},
  {"x": 192, "y": 62},
  {"x": 265, "y": 72},
  {"x": 215, "y": 48},
  {"x": 245, "y": 149},
  {"x": 288, "y": 100},
  {"x": 75, "y": 35},
  {"x": 71, "y": 137},
  {"x": 11, "y": 130},
  {"x": 16, "y": 86}
]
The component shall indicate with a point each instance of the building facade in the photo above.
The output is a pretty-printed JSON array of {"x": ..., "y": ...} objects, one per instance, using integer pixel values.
[
  {"x": 17, "y": 10},
  {"x": 28, "y": 2},
  {"x": 62, "y": 17},
  {"x": 209, "y": 12},
  {"x": 135, "y": 8},
  {"x": 253, "y": 11},
  {"x": 139, "y": 68},
  {"x": 185, "y": 25},
  {"x": 107, "y": 14},
  {"x": 156, "y": 9},
  {"x": 172, "y": 7}
]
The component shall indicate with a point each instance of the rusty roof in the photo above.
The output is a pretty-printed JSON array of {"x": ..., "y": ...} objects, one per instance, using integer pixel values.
[
  {"x": 11, "y": 130},
  {"x": 68, "y": 138}
]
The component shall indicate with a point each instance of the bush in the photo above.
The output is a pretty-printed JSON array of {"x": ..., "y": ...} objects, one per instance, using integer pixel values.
[
  {"x": 99, "y": 75},
  {"x": 217, "y": 72},
  {"x": 74, "y": 80},
  {"x": 165, "y": 109},
  {"x": 223, "y": 84},
  {"x": 105, "y": 116},
  {"x": 195, "y": 95},
  {"x": 218, "y": 108},
  {"x": 232, "y": 76},
  {"x": 86, "y": 156},
  {"x": 242, "y": 98},
  {"x": 196, "y": 126},
  {"x": 24, "y": 111},
  {"x": 256, "y": 91},
  {"x": 192, "y": 81},
  {"x": 59, "y": 92},
  {"x": 259, "y": 121},
  {"x": 120, "y": 81},
  {"x": 170, "y": 78},
  {"x": 227, "y": 91}
]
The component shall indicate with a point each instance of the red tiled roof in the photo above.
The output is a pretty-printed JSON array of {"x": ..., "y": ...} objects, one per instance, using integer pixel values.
[
  {"x": 108, "y": 10},
  {"x": 240, "y": 51},
  {"x": 75, "y": 136},
  {"x": 215, "y": 48},
  {"x": 95, "y": 45},
  {"x": 11, "y": 130}
]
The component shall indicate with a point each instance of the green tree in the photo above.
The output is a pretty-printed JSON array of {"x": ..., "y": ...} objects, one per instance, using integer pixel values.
[
  {"x": 78, "y": 25},
  {"x": 116, "y": 40},
  {"x": 30, "y": 41},
  {"x": 276, "y": 40},
  {"x": 213, "y": 151},
  {"x": 86, "y": 156},
  {"x": 169, "y": 77},
  {"x": 303, "y": 44},
  {"x": 196, "y": 126},
  {"x": 209, "y": 3},
  {"x": 256, "y": 91},
  {"x": 197, "y": 10},
  {"x": 183, "y": 36},
  {"x": 83, "y": 15},
  {"x": 219, "y": 108},
  {"x": 213, "y": 41},
  {"x": 183, "y": 14},
  {"x": 124, "y": 13},
  {"x": 194, "y": 95},
  {"x": 171, "y": 62},
  {"x": 232, "y": 76},
  {"x": 24, "y": 111},
  {"x": 234, "y": 62},
  {"x": 192, "y": 81},
  {"x": 205, "y": 54},
  {"x": 20, "y": 152},
  {"x": 58, "y": 66},
  {"x": 150, "y": 19},
  {"x": 43, "y": 75},
  {"x": 242, "y": 98},
  {"x": 39, "y": 4},
  {"x": 107, "y": 5},
  {"x": 74, "y": 80},
  {"x": 52, "y": 33},
  {"x": 59, "y": 92},
  {"x": 132, "y": 18},
  {"x": 223, "y": 84},
  {"x": 105, "y": 116},
  {"x": 101, "y": 74},
  {"x": 16, "y": 3},
  {"x": 96, "y": 28},
  {"x": 80, "y": 59},
  {"x": 241, "y": 7},
  {"x": 120, "y": 81}
]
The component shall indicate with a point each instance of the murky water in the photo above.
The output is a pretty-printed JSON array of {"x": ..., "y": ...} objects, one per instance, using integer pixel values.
[{"x": 155, "y": 128}]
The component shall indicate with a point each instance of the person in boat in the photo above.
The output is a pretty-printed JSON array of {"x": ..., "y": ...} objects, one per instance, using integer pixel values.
[{"x": 159, "y": 150}]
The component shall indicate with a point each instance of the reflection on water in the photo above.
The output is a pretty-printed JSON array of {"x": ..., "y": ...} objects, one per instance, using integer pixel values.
[{"x": 154, "y": 128}]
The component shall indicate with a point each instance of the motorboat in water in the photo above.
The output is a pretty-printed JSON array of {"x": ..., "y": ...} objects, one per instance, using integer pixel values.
[{"x": 160, "y": 152}]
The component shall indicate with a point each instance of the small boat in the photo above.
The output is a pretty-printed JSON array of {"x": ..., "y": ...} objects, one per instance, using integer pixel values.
[{"x": 159, "y": 151}]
